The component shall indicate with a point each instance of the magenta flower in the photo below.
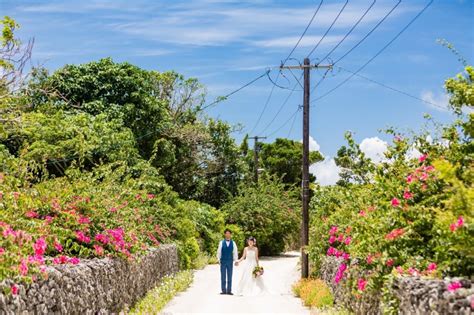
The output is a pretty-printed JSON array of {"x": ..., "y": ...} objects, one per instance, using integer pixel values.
[
  {"x": 58, "y": 246},
  {"x": 340, "y": 273},
  {"x": 40, "y": 246},
  {"x": 84, "y": 220},
  {"x": 23, "y": 268},
  {"x": 340, "y": 238},
  {"x": 348, "y": 240},
  {"x": 31, "y": 214},
  {"x": 2, "y": 250},
  {"x": 453, "y": 286},
  {"x": 399, "y": 269},
  {"x": 74, "y": 260},
  {"x": 361, "y": 284},
  {"x": 332, "y": 239},
  {"x": 432, "y": 267},
  {"x": 333, "y": 230},
  {"x": 370, "y": 259},
  {"x": 424, "y": 177},
  {"x": 422, "y": 158},
  {"x": 102, "y": 238},
  {"x": 99, "y": 250},
  {"x": 150, "y": 196},
  {"x": 60, "y": 260},
  {"x": 48, "y": 219},
  {"x": 460, "y": 222},
  {"x": 390, "y": 262},
  {"x": 410, "y": 179},
  {"x": 362, "y": 213},
  {"x": 113, "y": 209},
  {"x": 82, "y": 237},
  {"x": 331, "y": 251},
  {"x": 413, "y": 271},
  {"x": 14, "y": 289},
  {"x": 395, "y": 202},
  {"x": 453, "y": 227},
  {"x": 345, "y": 256},
  {"x": 407, "y": 195}
]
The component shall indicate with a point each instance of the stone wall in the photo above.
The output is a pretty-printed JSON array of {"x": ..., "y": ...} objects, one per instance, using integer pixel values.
[
  {"x": 95, "y": 286},
  {"x": 416, "y": 295}
]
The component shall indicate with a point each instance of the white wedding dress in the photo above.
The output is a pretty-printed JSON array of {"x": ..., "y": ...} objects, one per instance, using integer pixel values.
[{"x": 248, "y": 284}]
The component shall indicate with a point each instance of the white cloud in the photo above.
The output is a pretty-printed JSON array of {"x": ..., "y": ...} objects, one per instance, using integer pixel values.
[
  {"x": 313, "y": 145},
  {"x": 436, "y": 101},
  {"x": 326, "y": 172},
  {"x": 413, "y": 153},
  {"x": 374, "y": 148}
]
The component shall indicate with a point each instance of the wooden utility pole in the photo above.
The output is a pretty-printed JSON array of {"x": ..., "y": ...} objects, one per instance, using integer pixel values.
[
  {"x": 305, "y": 163},
  {"x": 255, "y": 156}
]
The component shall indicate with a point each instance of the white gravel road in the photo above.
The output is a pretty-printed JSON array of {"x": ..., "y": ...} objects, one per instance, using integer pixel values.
[{"x": 203, "y": 296}]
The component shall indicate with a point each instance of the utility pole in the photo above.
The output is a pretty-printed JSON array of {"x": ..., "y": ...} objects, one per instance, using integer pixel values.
[
  {"x": 305, "y": 163},
  {"x": 255, "y": 156}
]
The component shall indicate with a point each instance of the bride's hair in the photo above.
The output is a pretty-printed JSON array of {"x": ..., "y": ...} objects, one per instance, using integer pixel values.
[{"x": 253, "y": 239}]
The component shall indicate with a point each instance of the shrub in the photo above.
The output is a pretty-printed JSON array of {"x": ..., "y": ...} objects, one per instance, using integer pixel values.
[
  {"x": 313, "y": 292},
  {"x": 267, "y": 212}
]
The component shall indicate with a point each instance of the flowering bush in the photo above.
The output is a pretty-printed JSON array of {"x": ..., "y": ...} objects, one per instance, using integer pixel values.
[
  {"x": 62, "y": 220},
  {"x": 410, "y": 215}
]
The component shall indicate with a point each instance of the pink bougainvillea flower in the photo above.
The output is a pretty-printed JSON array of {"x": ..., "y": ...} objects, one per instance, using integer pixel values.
[
  {"x": 2, "y": 251},
  {"x": 138, "y": 197},
  {"x": 82, "y": 237},
  {"x": 23, "y": 267},
  {"x": 333, "y": 230},
  {"x": 102, "y": 238},
  {"x": 400, "y": 270},
  {"x": 9, "y": 232},
  {"x": 150, "y": 196},
  {"x": 340, "y": 238},
  {"x": 348, "y": 240},
  {"x": 14, "y": 289},
  {"x": 346, "y": 256},
  {"x": 424, "y": 177},
  {"x": 83, "y": 220},
  {"x": 407, "y": 195},
  {"x": 362, "y": 213},
  {"x": 58, "y": 246},
  {"x": 432, "y": 267},
  {"x": 60, "y": 260},
  {"x": 429, "y": 168},
  {"x": 340, "y": 273},
  {"x": 390, "y": 262},
  {"x": 460, "y": 222},
  {"x": 99, "y": 250},
  {"x": 16, "y": 195},
  {"x": 331, "y": 251},
  {"x": 73, "y": 260},
  {"x": 332, "y": 239},
  {"x": 113, "y": 209},
  {"x": 395, "y": 202},
  {"x": 31, "y": 214},
  {"x": 48, "y": 219},
  {"x": 40, "y": 246},
  {"x": 410, "y": 179},
  {"x": 422, "y": 158},
  {"x": 370, "y": 259},
  {"x": 361, "y": 284},
  {"x": 453, "y": 286},
  {"x": 394, "y": 234}
]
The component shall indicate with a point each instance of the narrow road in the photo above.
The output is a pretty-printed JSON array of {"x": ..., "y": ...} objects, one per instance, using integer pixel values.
[{"x": 203, "y": 296}]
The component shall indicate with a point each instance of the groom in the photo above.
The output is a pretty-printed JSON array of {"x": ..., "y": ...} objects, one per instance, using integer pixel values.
[{"x": 227, "y": 253}]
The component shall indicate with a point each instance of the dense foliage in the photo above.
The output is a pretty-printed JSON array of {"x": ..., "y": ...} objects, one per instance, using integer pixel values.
[
  {"x": 411, "y": 214},
  {"x": 268, "y": 212}
]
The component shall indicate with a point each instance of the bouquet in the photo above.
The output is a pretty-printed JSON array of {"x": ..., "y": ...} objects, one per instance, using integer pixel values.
[{"x": 257, "y": 271}]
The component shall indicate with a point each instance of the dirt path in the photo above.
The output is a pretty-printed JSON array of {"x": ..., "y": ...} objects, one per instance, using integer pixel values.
[{"x": 203, "y": 296}]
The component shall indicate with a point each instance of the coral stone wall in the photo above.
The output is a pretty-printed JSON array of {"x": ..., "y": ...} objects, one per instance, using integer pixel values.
[
  {"x": 95, "y": 286},
  {"x": 416, "y": 295}
]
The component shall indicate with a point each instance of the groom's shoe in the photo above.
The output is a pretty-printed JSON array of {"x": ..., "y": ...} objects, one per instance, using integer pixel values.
[
  {"x": 222, "y": 293},
  {"x": 230, "y": 293}
]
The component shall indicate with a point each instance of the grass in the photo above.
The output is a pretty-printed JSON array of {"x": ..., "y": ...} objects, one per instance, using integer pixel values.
[
  {"x": 203, "y": 260},
  {"x": 156, "y": 299},
  {"x": 314, "y": 293}
]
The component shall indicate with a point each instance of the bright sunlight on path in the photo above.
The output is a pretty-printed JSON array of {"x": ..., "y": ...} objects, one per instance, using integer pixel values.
[{"x": 203, "y": 296}]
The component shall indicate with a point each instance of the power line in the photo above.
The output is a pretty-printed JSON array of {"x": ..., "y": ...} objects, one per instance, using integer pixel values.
[
  {"x": 304, "y": 32},
  {"x": 328, "y": 30},
  {"x": 370, "y": 32},
  {"x": 235, "y": 91},
  {"x": 377, "y": 54},
  {"x": 286, "y": 59},
  {"x": 285, "y": 123},
  {"x": 392, "y": 88},
  {"x": 350, "y": 31},
  {"x": 292, "y": 124}
]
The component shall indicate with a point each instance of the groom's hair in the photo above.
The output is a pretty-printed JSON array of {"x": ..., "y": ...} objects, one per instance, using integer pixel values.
[{"x": 227, "y": 230}]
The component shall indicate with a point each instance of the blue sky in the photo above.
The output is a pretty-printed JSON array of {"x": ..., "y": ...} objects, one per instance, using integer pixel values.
[{"x": 227, "y": 43}]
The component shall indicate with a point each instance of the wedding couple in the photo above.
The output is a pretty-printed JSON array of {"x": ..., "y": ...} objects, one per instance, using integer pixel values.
[{"x": 227, "y": 254}]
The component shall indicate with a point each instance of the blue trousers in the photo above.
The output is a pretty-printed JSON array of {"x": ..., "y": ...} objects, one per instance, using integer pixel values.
[{"x": 226, "y": 272}]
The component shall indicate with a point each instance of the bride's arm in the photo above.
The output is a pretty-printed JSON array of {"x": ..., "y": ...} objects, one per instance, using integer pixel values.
[{"x": 244, "y": 255}]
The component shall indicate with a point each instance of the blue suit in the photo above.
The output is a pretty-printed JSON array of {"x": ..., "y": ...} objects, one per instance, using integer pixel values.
[{"x": 227, "y": 260}]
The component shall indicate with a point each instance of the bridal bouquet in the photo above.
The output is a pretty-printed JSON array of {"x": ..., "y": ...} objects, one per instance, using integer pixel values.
[{"x": 257, "y": 271}]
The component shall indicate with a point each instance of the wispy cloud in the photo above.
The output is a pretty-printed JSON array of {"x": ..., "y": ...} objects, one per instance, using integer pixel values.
[
  {"x": 438, "y": 101},
  {"x": 289, "y": 41}
]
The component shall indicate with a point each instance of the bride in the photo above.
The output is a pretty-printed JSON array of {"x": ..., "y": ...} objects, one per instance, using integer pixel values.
[{"x": 250, "y": 285}]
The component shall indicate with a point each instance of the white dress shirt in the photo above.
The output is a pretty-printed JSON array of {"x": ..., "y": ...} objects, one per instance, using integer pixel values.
[{"x": 235, "y": 251}]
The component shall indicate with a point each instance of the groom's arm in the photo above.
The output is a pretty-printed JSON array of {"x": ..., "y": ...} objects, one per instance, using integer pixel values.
[
  {"x": 236, "y": 252},
  {"x": 219, "y": 251}
]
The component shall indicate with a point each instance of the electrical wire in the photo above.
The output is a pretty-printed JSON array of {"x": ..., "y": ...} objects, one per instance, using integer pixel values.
[
  {"x": 292, "y": 124},
  {"x": 235, "y": 91},
  {"x": 328, "y": 30},
  {"x": 377, "y": 54},
  {"x": 285, "y": 123},
  {"x": 392, "y": 88}
]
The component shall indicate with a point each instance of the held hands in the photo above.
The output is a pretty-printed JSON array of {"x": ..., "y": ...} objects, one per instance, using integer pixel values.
[{"x": 236, "y": 263}]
